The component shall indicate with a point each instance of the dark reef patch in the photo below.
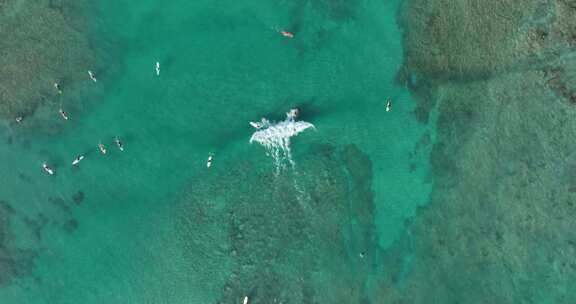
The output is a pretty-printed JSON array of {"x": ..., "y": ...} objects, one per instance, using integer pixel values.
[
  {"x": 70, "y": 225},
  {"x": 14, "y": 261},
  {"x": 308, "y": 232},
  {"x": 43, "y": 42},
  {"x": 78, "y": 197},
  {"x": 498, "y": 226}
]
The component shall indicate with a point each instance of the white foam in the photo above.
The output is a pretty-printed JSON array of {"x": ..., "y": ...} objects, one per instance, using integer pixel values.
[{"x": 275, "y": 138}]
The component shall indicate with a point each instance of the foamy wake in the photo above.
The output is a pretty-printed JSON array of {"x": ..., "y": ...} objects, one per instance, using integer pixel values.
[{"x": 275, "y": 138}]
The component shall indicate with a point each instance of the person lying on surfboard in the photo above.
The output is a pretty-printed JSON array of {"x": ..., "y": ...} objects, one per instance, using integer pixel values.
[{"x": 77, "y": 160}]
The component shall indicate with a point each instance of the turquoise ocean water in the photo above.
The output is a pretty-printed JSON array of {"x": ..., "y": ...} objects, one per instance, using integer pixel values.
[{"x": 153, "y": 225}]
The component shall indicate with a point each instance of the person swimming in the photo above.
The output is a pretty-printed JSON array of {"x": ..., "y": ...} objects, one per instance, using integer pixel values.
[
  {"x": 388, "y": 105},
  {"x": 119, "y": 144},
  {"x": 47, "y": 169},
  {"x": 209, "y": 162},
  {"x": 77, "y": 160},
  {"x": 102, "y": 148},
  {"x": 63, "y": 114},
  {"x": 57, "y": 86},
  {"x": 92, "y": 76},
  {"x": 157, "y": 66},
  {"x": 287, "y": 34}
]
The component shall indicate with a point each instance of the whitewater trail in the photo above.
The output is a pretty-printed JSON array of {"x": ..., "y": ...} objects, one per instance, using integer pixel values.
[{"x": 275, "y": 138}]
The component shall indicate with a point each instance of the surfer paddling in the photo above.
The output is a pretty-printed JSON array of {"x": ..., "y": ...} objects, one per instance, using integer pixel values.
[
  {"x": 57, "y": 86},
  {"x": 157, "y": 68},
  {"x": 209, "y": 162},
  {"x": 77, "y": 160},
  {"x": 47, "y": 169},
  {"x": 388, "y": 105},
  {"x": 287, "y": 34},
  {"x": 63, "y": 114},
  {"x": 102, "y": 148},
  {"x": 92, "y": 76},
  {"x": 119, "y": 144}
]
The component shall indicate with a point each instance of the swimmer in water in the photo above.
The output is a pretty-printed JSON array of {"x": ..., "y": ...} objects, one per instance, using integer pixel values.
[
  {"x": 157, "y": 68},
  {"x": 77, "y": 160},
  {"x": 63, "y": 114},
  {"x": 209, "y": 162},
  {"x": 102, "y": 148},
  {"x": 47, "y": 169},
  {"x": 388, "y": 105},
  {"x": 287, "y": 34},
  {"x": 119, "y": 144},
  {"x": 92, "y": 76},
  {"x": 57, "y": 86}
]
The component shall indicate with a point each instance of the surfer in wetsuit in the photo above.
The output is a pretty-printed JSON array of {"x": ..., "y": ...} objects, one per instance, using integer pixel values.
[
  {"x": 292, "y": 115},
  {"x": 57, "y": 86},
  {"x": 92, "y": 76},
  {"x": 209, "y": 162},
  {"x": 102, "y": 148},
  {"x": 63, "y": 114},
  {"x": 47, "y": 169},
  {"x": 119, "y": 144},
  {"x": 77, "y": 160}
]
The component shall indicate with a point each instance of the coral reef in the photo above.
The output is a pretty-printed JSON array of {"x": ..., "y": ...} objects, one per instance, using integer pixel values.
[
  {"x": 299, "y": 240},
  {"x": 43, "y": 42},
  {"x": 14, "y": 261},
  {"x": 499, "y": 223}
]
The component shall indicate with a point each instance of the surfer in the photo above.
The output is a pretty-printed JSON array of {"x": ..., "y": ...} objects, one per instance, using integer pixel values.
[
  {"x": 92, "y": 76},
  {"x": 259, "y": 125},
  {"x": 287, "y": 34},
  {"x": 388, "y": 105},
  {"x": 102, "y": 148},
  {"x": 47, "y": 169},
  {"x": 19, "y": 119},
  {"x": 256, "y": 125},
  {"x": 57, "y": 86},
  {"x": 63, "y": 114},
  {"x": 77, "y": 160},
  {"x": 157, "y": 68},
  {"x": 292, "y": 115},
  {"x": 119, "y": 144},
  {"x": 209, "y": 162},
  {"x": 245, "y": 300}
]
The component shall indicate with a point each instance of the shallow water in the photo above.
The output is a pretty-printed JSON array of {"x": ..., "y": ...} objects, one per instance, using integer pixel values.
[{"x": 152, "y": 224}]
